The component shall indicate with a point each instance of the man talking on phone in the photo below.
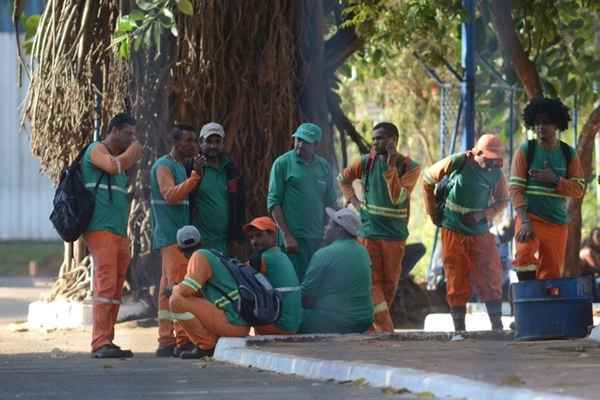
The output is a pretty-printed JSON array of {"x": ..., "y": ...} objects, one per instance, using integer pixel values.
[
  {"x": 388, "y": 179},
  {"x": 217, "y": 204}
]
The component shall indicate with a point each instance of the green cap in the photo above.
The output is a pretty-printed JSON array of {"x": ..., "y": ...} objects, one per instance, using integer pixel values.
[{"x": 308, "y": 132}]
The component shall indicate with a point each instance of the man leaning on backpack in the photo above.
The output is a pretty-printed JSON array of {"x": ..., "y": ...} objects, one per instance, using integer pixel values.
[
  {"x": 103, "y": 166},
  {"x": 477, "y": 192},
  {"x": 544, "y": 174},
  {"x": 388, "y": 179},
  {"x": 202, "y": 302}
]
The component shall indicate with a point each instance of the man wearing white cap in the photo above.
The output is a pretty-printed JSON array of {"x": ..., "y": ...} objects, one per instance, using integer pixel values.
[
  {"x": 217, "y": 203},
  {"x": 300, "y": 187},
  {"x": 336, "y": 290}
]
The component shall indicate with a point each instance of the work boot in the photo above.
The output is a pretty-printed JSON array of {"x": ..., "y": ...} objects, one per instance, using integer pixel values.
[
  {"x": 111, "y": 351},
  {"x": 458, "y": 317},
  {"x": 494, "y": 310},
  {"x": 197, "y": 352},
  {"x": 165, "y": 351},
  {"x": 188, "y": 346},
  {"x": 526, "y": 275}
]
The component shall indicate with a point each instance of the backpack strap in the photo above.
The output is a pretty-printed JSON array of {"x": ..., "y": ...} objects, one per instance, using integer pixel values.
[
  {"x": 566, "y": 150},
  {"x": 531, "y": 144}
]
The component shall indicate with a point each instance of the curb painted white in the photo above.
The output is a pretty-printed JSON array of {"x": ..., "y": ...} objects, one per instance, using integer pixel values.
[
  {"x": 236, "y": 351},
  {"x": 59, "y": 314}
]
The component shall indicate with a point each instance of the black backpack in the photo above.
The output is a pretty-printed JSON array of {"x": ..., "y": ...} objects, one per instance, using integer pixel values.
[
  {"x": 442, "y": 188},
  {"x": 259, "y": 303},
  {"x": 73, "y": 203}
]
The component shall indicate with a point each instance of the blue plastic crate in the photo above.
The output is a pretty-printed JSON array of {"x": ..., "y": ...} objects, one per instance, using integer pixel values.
[{"x": 553, "y": 309}]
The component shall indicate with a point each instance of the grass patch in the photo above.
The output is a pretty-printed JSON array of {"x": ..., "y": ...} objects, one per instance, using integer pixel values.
[{"x": 16, "y": 255}]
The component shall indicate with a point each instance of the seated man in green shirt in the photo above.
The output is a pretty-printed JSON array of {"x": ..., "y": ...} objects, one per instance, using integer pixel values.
[
  {"x": 277, "y": 267},
  {"x": 336, "y": 290}
]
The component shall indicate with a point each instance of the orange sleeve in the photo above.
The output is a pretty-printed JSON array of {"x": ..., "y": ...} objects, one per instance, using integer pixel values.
[
  {"x": 574, "y": 184},
  {"x": 347, "y": 176},
  {"x": 518, "y": 180},
  {"x": 172, "y": 193},
  {"x": 431, "y": 177},
  {"x": 198, "y": 273},
  {"x": 400, "y": 187},
  {"x": 500, "y": 197},
  {"x": 103, "y": 160}
]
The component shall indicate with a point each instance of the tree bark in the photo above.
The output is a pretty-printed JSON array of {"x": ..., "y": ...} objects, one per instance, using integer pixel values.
[
  {"x": 585, "y": 152},
  {"x": 512, "y": 49}
]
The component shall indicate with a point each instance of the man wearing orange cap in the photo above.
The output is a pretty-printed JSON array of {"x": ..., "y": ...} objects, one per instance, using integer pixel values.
[
  {"x": 477, "y": 192},
  {"x": 278, "y": 268},
  {"x": 544, "y": 174},
  {"x": 388, "y": 179}
]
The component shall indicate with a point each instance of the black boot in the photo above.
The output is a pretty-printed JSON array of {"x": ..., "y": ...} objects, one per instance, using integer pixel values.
[
  {"x": 526, "y": 275},
  {"x": 494, "y": 310},
  {"x": 458, "y": 316},
  {"x": 197, "y": 352}
]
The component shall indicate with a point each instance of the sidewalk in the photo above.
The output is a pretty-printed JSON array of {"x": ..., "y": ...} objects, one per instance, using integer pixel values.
[{"x": 482, "y": 366}]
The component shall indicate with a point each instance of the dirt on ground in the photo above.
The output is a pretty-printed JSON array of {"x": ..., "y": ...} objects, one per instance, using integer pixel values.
[{"x": 556, "y": 366}]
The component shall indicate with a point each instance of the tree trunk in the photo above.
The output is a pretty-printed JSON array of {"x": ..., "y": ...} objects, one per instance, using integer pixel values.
[
  {"x": 585, "y": 152},
  {"x": 512, "y": 49}
]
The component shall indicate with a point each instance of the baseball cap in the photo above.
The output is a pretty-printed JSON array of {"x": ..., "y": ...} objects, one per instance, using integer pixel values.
[
  {"x": 188, "y": 237},
  {"x": 346, "y": 218},
  {"x": 212, "y": 128},
  {"x": 489, "y": 146},
  {"x": 260, "y": 223},
  {"x": 308, "y": 132}
]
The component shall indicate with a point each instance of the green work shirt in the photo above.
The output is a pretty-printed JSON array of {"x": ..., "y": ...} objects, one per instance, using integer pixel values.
[
  {"x": 303, "y": 190},
  {"x": 282, "y": 275},
  {"x": 541, "y": 197},
  {"x": 109, "y": 215},
  {"x": 381, "y": 219},
  {"x": 167, "y": 218},
  {"x": 211, "y": 209},
  {"x": 470, "y": 189},
  {"x": 222, "y": 279},
  {"x": 338, "y": 283}
]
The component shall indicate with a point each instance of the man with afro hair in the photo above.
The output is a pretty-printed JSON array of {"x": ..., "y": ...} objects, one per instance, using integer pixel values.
[{"x": 545, "y": 173}]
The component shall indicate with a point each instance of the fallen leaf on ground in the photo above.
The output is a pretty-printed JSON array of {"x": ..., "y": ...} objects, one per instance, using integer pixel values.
[
  {"x": 107, "y": 366},
  {"x": 360, "y": 381},
  {"x": 425, "y": 395},
  {"x": 512, "y": 380},
  {"x": 18, "y": 327},
  {"x": 392, "y": 391}
]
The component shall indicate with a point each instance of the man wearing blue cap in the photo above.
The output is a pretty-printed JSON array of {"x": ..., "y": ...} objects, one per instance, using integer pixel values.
[{"x": 300, "y": 187}]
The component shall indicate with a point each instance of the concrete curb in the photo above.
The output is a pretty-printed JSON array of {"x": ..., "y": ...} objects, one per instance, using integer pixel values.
[{"x": 236, "y": 351}]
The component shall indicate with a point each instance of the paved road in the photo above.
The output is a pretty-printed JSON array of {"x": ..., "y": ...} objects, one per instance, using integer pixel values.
[
  {"x": 50, "y": 376},
  {"x": 57, "y": 365}
]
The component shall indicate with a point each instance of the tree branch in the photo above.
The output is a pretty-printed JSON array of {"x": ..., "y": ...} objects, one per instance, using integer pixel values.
[
  {"x": 339, "y": 47},
  {"x": 512, "y": 49},
  {"x": 343, "y": 124}
]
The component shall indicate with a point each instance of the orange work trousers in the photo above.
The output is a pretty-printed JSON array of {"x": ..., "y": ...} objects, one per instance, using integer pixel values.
[
  {"x": 545, "y": 253},
  {"x": 471, "y": 262},
  {"x": 111, "y": 257},
  {"x": 208, "y": 323},
  {"x": 386, "y": 258},
  {"x": 174, "y": 267}
]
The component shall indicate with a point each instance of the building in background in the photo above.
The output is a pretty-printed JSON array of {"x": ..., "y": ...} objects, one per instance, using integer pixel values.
[{"x": 25, "y": 193}]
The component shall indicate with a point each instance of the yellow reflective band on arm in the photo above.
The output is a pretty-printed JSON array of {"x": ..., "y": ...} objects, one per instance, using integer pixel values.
[
  {"x": 182, "y": 316},
  {"x": 192, "y": 284},
  {"x": 165, "y": 315},
  {"x": 428, "y": 179},
  {"x": 517, "y": 179},
  {"x": 381, "y": 307},
  {"x": 542, "y": 193}
]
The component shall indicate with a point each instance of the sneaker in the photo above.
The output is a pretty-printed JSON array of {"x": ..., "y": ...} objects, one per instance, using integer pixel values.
[
  {"x": 165, "y": 351},
  {"x": 197, "y": 352},
  {"x": 188, "y": 346},
  {"x": 111, "y": 351}
]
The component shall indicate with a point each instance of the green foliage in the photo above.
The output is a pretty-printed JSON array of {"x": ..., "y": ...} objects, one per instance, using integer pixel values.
[
  {"x": 144, "y": 26},
  {"x": 30, "y": 25}
]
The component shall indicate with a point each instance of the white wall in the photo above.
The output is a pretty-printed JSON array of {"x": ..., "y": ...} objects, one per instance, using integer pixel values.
[{"x": 25, "y": 194}]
